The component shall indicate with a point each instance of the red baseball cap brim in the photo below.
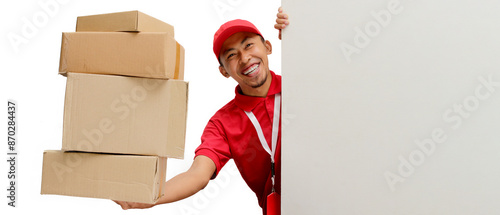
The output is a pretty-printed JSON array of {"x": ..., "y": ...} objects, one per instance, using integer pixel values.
[{"x": 228, "y": 29}]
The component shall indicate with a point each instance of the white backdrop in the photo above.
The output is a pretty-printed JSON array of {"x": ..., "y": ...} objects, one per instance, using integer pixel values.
[
  {"x": 391, "y": 107},
  {"x": 29, "y": 77}
]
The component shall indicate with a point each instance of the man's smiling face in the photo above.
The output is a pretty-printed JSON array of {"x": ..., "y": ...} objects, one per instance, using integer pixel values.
[{"x": 243, "y": 57}]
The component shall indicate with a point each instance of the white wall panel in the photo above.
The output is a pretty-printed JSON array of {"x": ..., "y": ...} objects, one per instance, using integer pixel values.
[{"x": 391, "y": 107}]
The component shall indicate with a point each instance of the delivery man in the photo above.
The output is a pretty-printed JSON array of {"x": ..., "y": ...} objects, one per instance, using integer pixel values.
[{"x": 247, "y": 129}]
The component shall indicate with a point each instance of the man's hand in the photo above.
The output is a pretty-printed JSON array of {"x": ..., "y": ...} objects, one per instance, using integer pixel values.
[
  {"x": 133, "y": 205},
  {"x": 183, "y": 185},
  {"x": 281, "y": 21}
]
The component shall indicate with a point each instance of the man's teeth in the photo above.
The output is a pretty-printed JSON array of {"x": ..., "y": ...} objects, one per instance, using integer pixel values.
[{"x": 251, "y": 70}]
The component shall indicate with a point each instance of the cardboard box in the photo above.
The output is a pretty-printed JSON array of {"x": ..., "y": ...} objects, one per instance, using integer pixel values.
[
  {"x": 118, "y": 177},
  {"x": 148, "y": 54},
  {"x": 134, "y": 21},
  {"x": 125, "y": 115}
]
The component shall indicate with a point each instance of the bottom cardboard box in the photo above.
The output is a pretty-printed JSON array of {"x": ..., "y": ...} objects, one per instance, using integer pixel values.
[{"x": 134, "y": 178}]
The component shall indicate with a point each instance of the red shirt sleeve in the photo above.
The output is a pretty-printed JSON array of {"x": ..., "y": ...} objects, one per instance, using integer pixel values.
[{"x": 214, "y": 145}]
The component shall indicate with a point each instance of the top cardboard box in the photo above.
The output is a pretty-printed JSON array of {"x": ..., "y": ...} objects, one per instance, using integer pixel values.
[{"x": 134, "y": 21}]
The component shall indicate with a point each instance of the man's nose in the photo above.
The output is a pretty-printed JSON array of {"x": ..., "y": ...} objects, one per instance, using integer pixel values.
[{"x": 245, "y": 57}]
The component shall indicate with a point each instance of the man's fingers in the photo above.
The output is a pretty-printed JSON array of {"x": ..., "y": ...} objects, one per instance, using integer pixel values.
[
  {"x": 282, "y": 21},
  {"x": 282, "y": 15},
  {"x": 122, "y": 204},
  {"x": 133, "y": 205},
  {"x": 279, "y": 26}
]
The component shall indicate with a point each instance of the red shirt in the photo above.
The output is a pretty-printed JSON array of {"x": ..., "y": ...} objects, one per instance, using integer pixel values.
[{"x": 231, "y": 134}]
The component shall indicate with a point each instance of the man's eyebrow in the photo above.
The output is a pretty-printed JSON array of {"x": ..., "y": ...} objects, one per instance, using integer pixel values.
[
  {"x": 228, "y": 50},
  {"x": 243, "y": 41}
]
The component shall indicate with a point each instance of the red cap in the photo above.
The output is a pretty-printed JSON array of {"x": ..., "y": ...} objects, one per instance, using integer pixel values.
[{"x": 228, "y": 29}]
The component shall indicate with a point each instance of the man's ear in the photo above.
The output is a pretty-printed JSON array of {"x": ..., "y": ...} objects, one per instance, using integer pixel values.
[
  {"x": 223, "y": 72},
  {"x": 269, "y": 47}
]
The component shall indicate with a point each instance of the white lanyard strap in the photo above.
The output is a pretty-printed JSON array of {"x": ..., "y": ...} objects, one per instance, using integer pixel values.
[
  {"x": 275, "y": 130},
  {"x": 260, "y": 133}
]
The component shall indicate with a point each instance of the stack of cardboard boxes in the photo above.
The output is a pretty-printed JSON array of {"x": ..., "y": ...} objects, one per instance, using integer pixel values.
[{"x": 125, "y": 109}]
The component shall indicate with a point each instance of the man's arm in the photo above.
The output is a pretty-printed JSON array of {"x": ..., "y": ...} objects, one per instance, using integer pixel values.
[{"x": 183, "y": 185}]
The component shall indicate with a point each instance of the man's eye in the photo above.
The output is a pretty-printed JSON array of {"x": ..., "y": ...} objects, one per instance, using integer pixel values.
[
  {"x": 230, "y": 55},
  {"x": 249, "y": 44}
]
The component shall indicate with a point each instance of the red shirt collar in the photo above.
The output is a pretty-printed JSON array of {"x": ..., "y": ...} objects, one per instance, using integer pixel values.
[{"x": 248, "y": 103}]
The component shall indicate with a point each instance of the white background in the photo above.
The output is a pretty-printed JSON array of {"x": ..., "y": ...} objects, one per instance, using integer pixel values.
[
  {"x": 417, "y": 76},
  {"x": 29, "y": 77}
]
